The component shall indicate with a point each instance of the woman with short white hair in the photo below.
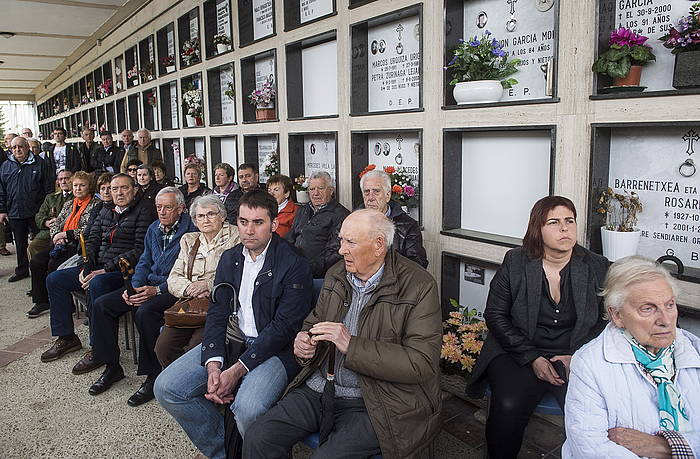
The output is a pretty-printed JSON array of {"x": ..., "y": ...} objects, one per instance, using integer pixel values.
[{"x": 634, "y": 391}]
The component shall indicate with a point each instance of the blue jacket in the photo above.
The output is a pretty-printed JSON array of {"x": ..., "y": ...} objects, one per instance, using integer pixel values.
[
  {"x": 281, "y": 302},
  {"x": 23, "y": 186},
  {"x": 155, "y": 263}
]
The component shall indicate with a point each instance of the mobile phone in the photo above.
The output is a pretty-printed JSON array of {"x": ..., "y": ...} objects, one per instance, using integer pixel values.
[{"x": 560, "y": 368}]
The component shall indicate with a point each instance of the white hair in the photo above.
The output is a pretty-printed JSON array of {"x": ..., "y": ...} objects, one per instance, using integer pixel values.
[
  {"x": 379, "y": 225},
  {"x": 383, "y": 176},
  {"x": 144, "y": 130},
  {"x": 179, "y": 197},
  {"x": 322, "y": 175},
  {"x": 627, "y": 272},
  {"x": 208, "y": 200}
]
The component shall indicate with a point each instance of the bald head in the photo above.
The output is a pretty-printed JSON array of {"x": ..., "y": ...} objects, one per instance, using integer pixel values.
[
  {"x": 20, "y": 149},
  {"x": 8, "y": 138},
  {"x": 365, "y": 238}
]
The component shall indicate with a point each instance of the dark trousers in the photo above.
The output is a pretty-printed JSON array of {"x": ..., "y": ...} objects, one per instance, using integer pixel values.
[
  {"x": 64, "y": 281},
  {"x": 515, "y": 393},
  {"x": 21, "y": 228},
  {"x": 40, "y": 265},
  {"x": 174, "y": 342},
  {"x": 297, "y": 415},
  {"x": 106, "y": 311}
]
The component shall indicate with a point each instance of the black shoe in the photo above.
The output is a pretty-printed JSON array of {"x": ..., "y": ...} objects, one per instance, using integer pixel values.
[
  {"x": 37, "y": 310},
  {"x": 111, "y": 375},
  {"x": 144, "y": 394},
  {"x": 18, "y": 277}
]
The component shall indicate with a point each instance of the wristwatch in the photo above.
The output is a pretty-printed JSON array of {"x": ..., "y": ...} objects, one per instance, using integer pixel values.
[{"x": 158, "y": 292}]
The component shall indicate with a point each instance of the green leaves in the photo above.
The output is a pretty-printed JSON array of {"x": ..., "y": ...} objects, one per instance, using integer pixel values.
[
  {"x": 482, "y": 59},
  {"x": 616, "y": 61}
]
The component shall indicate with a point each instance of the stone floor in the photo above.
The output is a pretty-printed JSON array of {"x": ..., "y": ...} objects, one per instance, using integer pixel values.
[{"x": 47, "y": 411}]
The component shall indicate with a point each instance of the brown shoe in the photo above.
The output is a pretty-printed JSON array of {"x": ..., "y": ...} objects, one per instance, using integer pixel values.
[
  {"x": 62, "y": 346},
  {"x": 5, "y": 252},
  {"x": 86, "y": 364}
]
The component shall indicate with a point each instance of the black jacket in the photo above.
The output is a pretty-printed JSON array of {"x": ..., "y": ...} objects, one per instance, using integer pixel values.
[
  {"x": 88, "y": 155},
  {"x": 149, "y": 194},
  {"x": 104, "y": 159},
  {"x": 114, "y": 235},
  {"x": 513, "y": 306},
  {"x": 316, "y": 235},
  {"x": 408, "y": 240},
  {"x": 189, "y": 197},
  {"x": 74, "y": 161},
  {"x": 281, "y": 301},
  {"x": 231, "y": 203},
  {"x": 23, "y": 187},
  {"x": 129, "y": 151}
]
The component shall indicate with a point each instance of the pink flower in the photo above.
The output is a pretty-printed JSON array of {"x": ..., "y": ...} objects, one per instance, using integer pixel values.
[
  {"x": 625, "y": 37},
  {"x": 409, "y": 190}
]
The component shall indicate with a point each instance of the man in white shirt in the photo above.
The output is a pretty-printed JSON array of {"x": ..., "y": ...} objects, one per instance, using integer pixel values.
[
  {"x": 62, "y": 155},
  {"x": 273, "y": 287}
]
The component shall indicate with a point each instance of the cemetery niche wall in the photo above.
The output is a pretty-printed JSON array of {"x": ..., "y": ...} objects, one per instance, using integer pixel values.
[
  {"x": 311, "y": 152},
  {"x": 263, "y": 151},
  {"x": 656, "y": 161},
  {"x": 256, "y": 20},
  {"x": 386, "y": 63},
  {"x": 492, "y": 178},
  {"x": 298, "y": 13},
  {"x": 466, "y": 280},
  {"x": 222, "y": 95}
]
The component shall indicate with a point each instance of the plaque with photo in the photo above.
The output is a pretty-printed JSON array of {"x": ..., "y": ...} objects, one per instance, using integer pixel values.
[
  {"x": 527, "y": 32},
  {"x": 228, "y": 108},
  {"x": 319, "y": 155},
  {"x": 266, "y": 146},
  {"x": 263, "y": 19},
  {"x": 393, "y": 54},
  {"x": 467, "y": 281},
  {"x": 264, "y": 72},
  {"x": 658, "y": 163}
]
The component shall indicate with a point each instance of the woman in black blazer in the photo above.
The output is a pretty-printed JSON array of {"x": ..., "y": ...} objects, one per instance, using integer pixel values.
[{"x": 543, "y": 305}]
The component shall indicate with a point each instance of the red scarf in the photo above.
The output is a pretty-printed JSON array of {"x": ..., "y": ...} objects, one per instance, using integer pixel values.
[{"x": 74, "y": 217}]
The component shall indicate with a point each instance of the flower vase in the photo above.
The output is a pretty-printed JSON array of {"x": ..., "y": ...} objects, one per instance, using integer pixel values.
[
  {"x": 191, "y": 121},
  {"x": 619, "y": 244},
  {"x": 170, "y": 68},
  {"x": 135, "y": 82},
  {"x": 478, "y": 92},
  {"x": 632, "y": 78},
  {"x": 686, "y": 71},
  {"x": 221, "y": 48},
  {"x": 264, "y": 114},
  {"x": 198, "y": 121},
  {"x": 302, "y": 197}
]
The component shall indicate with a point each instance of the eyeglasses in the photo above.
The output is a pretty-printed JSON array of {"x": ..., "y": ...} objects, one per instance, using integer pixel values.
[
  {"x": 132, "y": 169},
  {"x": 208, "y": 216}
]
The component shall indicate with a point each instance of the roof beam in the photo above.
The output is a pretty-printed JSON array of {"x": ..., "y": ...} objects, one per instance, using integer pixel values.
[{"x": 74, "y": 3}]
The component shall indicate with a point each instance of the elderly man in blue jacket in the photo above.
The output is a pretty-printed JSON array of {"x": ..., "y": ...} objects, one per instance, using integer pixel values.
[
  {"x": 273, "y": 287},
  {"x": 150, "y": 280},
  {"x": 24, "y": 183}
]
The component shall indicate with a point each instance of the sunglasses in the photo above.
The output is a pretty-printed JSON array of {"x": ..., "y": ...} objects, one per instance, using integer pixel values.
[{"x": 132, "y": 169}]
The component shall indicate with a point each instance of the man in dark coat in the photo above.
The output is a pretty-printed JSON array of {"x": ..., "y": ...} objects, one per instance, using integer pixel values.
[
  {"x": 316, "y": 226},
  {"x": 127, "y": 152},
  {"x": 118, "y": 232},
  {"x": 88, "y": 149},
  {"x": 64, "y": 156},
  {"x": 273, "y": 287},
  {"x": 107, "y": 156},
  {"x": 24, "y": 183},
  {"x": 408, "y": 240},
  {"x": 248, "y": 179}
]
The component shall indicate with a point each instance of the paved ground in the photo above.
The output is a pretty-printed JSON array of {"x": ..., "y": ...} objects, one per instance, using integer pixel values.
[{"x": 47, "y": 411}]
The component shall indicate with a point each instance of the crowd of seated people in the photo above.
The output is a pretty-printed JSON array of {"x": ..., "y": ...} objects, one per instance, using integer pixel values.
[{"x": 268, "y": 364}]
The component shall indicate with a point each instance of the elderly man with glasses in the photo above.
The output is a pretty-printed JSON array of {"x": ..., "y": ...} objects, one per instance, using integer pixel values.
[{"x": 24, "y": 183}]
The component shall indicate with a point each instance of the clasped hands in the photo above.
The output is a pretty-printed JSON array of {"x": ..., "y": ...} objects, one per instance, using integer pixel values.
[
  {"x": 305, "y": 342},
  {"x": 220, "y": 384},
  {"x": 85, "y": 280},
  {"x": 544, "y": 370}
]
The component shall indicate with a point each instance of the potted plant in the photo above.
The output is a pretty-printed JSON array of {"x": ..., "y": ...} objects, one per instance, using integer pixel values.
[
  {"x": 222, "y": 42},
  {"x": 619, "y": 235},
  {"x": 169, "y": 63},
  {"x": 133, "y": 75},
  {"x": 230, "y": 91},
  {"x": 190, "y": 51},
  {"x": 105, "y": 89},
  {"x": 192, "y": 100},
  {"x": 271, "y": 164},
  {"x": 148, "y": 73},
  {"x": 684, "y": 42},
  {"x": 481, "y": 70},
  {"x": 403, "y": 191},
  {"x": 301, "y": 186},
  {"x": 151, "y": 98},
  {"x": 263, "y": 99},
  {"x": 463, "y": 337},
  {"x": 625, "y": 58},
  {"x": 90, "y": 95}
]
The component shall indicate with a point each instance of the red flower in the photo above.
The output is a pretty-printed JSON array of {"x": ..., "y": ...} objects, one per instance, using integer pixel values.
[
  {"x": 389, "y": 169},
  {"x": 396, "y": 189}
]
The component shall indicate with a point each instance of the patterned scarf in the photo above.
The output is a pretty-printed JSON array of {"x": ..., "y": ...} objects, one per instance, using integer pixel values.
[{"x": 662, "y": 369}]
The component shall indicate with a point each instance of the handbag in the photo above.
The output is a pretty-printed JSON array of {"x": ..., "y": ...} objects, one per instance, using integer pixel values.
[{"x": 188, "y": 312}]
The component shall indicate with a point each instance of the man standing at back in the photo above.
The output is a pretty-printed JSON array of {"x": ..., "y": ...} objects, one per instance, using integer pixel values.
[
  {"x": 24, "y": 183},
  {"x": 87, "y": 149},
  {"x": 62, "y": 155},
  {"x": 128, "y": 151},
  {"x": 107, "y": 155},
  {"x": 316, "y": 226},
  {"x": 248, "y": 180}
]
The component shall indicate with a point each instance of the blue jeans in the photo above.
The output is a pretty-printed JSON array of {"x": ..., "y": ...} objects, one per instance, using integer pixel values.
[{"x": 180, "y": 389}]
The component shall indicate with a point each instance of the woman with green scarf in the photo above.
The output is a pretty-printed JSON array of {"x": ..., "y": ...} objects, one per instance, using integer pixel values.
[{"x": 634, "y": 391}]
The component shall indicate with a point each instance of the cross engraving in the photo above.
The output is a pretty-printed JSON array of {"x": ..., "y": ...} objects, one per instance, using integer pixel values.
[
  {"x": 399, "y": 139},
  {"x": 399, "y": 29},
  {"x": 691, "y": 137},
  {"x": 512, "y": 6}
]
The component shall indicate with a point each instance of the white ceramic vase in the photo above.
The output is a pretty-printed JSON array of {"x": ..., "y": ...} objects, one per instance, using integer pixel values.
[
  {"x": 191, "y": 121},
  {"x": 619, "y": 244},
  {"x": 134, "y": 82},
  {"x": 478, "y": 92},
  {"x": 302, "y": 197},
  {"x": 221, "y": 48},
  {"x": 170, "y": 68}
]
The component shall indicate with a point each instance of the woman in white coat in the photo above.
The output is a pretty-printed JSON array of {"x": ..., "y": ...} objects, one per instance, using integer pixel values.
[{"x": 634, "y": 391}]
